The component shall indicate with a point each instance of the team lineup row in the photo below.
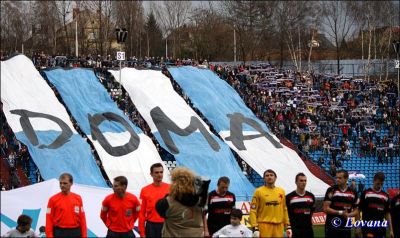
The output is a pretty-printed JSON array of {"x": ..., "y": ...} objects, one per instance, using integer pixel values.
[{"x": 184, "y": 208}]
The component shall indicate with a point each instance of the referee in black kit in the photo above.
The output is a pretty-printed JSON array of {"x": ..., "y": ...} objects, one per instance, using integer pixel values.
[{"x": 301, "y": 205}]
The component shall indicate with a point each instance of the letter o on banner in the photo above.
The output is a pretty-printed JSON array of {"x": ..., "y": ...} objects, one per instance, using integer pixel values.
[{"x": 130, "y": 146}]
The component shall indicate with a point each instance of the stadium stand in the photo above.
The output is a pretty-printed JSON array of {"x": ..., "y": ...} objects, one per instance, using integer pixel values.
[{"x": 332, "y": 121}]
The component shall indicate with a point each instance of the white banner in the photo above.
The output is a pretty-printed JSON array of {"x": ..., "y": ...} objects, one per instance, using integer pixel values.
[
  {"x": 32, "y": 200},
  {"x": 181, "y": 131},
  {"x": 239, "y": 127},
  {"x": 41, "y": 122},
  {"x": 122, "y": 147}
]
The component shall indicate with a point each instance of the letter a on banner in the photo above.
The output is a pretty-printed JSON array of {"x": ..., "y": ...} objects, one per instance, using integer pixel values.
[{"x": 237, "y": 137}]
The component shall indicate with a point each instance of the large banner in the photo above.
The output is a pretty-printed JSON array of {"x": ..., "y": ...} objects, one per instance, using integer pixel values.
[
  {"x": 181, "y": 131},
  {"x": 41, "y": 122},
  {"x": 123, "y": 148},
  {"x": 241, "y": 129},
  {"x": 15, "y": 203}
]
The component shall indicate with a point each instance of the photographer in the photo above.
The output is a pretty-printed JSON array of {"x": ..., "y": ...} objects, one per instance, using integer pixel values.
[{"x": 182, "y": 209}]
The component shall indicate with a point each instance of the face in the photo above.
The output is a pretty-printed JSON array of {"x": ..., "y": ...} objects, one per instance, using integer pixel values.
[
  {"x": 301, "y": 182},
  {"x": 222, "y": 187},
  {"x": 235, "y": 221},
  {"x": 119, "y": 189},
  {"x": 269, "y": 178},
  {"x": 65, "y": 185},
  {"x": 340, "y": 180},
  {"x": 157, "y": 174},
  {"x": 378, "y": 184}
]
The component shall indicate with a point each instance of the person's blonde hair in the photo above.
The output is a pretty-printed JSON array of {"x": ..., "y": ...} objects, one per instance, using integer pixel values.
[{"x": 182, "y": 182}]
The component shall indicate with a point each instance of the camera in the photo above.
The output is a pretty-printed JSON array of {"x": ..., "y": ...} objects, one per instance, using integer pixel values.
[{"x": 201, "y": 185}]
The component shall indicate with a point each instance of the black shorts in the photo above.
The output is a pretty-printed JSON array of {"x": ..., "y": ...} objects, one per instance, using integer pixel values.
[
  {"x": 333, "y": 232},
  {"x": 373, "y": 232},
  {"x": 67, "y": 232},
  {"x": 113, "y": 234},
  {"x": 153, "y": 229},
  {"x": 302, "y": 232}
]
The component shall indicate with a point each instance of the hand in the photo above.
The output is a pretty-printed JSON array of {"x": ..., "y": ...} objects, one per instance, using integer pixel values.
[
  {"x": 289, "y": 233},
  {"x": 256, "y": 234},
  {"x": 206, "y": 234},
  {"x": 345, "y": 214},
  {"x": 391, "y": 234},
  {"x": 358, "y": 232}
]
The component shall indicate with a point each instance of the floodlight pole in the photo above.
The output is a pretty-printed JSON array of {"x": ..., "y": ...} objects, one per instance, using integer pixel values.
[
  {"x": 76, "y": 38},
  {"x": 120, "y": 70},
  {"x": 234, "y": 43},
  {"x": 121, "y": 37},
  {"x": 396, "y": 46}
]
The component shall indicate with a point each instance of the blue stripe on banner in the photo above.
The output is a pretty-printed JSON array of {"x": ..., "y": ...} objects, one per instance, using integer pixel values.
[
  {"x": 72, "y": 84},
  {"x": 196, "y": 154},
  {"x": 122, "y": 147},
  {"x": 73, "y": 157},
  {"x": 215, "y": 98}
]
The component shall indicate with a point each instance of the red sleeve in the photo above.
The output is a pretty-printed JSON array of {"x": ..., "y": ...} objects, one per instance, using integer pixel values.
[
  {"x": 103, "y": 214},
  {"x": 82, "y": 218},
  {"x": 49, "y": 218},
  {"x": 142, "y": 218},
  {"x": 137, "y": 207}
]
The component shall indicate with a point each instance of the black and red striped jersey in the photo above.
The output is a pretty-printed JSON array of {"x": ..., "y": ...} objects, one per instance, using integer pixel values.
[
  {"x": 219, "y": 209},
  {"x": 300, "y": 209},
  {"x": 340, "y": 201},
  {"x": 374, "y": 205}
]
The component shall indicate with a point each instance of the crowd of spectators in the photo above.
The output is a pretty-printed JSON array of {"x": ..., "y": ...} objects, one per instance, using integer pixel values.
[
  {"x": 14, "y": 155},
  {"x": 333, "y": 117}
]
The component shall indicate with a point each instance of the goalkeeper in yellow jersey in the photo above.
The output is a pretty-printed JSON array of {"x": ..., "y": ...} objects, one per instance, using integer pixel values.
[{"x": 268, "y": 211}]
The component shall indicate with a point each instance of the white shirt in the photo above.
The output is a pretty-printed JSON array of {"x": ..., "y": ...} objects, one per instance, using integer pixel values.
[
  {"x": 234, "y": 231},
  {"x": 17, "y": 233}
]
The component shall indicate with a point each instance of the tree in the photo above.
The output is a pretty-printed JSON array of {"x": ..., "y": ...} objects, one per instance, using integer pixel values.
[
  {"x": 291, "y": 18},
  {"x": 64, "y": 8},
  {"x": 338, "y": 20},
  {"x": 376, "y": 16},
  {"x": 105, "y": 28},
  {"x": 129, "y": 15},
  {"x": 267, "y": 36},
  {"x": 173, "y": 15},
  {"x": 211, "y": 35},
  {"x": 15, "y": 27},
  {"x": 245, "y": 17},
  {"x": 153, "y": 36}
]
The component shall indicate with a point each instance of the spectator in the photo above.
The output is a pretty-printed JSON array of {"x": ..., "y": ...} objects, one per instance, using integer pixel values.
[
  {"x": 321, "y": 161},
  {"x": 23, "y": 228},
  {"x": 42, "y": 231}
]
